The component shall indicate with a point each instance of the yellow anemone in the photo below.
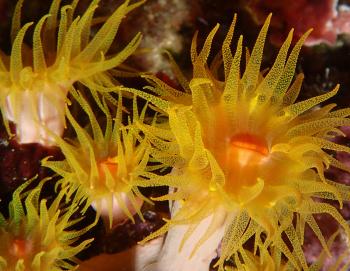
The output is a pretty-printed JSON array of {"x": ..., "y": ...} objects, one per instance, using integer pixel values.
[
  {"x": 38, "y": 237},
  {"x": 241, "y": 147},
  {"x": 34, "y": 82},
  {"x": 102, "y": 168}
]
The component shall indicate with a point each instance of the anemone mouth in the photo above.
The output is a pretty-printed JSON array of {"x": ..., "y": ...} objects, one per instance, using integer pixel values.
[
  {"x": 245, "y": 157},
  {"x": 246, "y": 151},
  {"x": 20, "y": 248},
  {"x": 250, "y": 143},
  {"x": 107, "y": 167}
]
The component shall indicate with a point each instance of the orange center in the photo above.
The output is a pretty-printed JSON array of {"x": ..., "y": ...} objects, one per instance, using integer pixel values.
[
  {"x": 19, "y": 248},
  {"x": 247, "y": 151},
  {"x": 245, "y": 155},
  {"x": 111, "y": 165},
  {"x": 250, "y": 143}
]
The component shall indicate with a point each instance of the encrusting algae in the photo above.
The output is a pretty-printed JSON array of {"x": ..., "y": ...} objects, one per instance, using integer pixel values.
[
  {"x": 38, "y": 237},
  {"x": 245, "y": 154},
  {"x": 34, "y": 82}
]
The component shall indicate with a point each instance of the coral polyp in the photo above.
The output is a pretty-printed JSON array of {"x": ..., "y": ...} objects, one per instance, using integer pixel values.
[
  {"x": 247, "y": 155},
  {"x": 35, "y": 81},
  {"x": 102, "y": 167},
  {"x": 37, "y": 235}
]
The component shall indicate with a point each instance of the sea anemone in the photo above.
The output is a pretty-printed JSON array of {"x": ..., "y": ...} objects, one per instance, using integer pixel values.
[
  {"x": 245, "y": 155},
  {"x": 102, "y": 168},
  {"x": 34, "y": 82},
  {"x": 37, "y": 237}
]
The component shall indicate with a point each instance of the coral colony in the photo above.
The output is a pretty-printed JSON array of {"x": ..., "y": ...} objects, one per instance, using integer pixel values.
[{"x": 243, "y": 161}]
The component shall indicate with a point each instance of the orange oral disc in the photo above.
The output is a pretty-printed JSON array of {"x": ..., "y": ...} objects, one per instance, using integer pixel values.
[
  {"x": 250, "y": 142},
  {"x": 109, "y": 165},
  {"x": 19, "y": 248}
]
